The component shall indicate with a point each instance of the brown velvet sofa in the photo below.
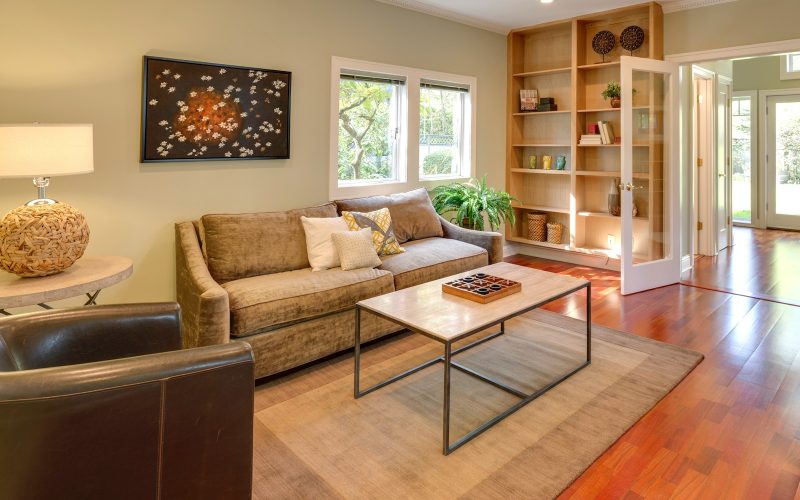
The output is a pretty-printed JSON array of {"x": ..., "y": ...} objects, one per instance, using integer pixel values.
[{"x": 247, "y": 277}]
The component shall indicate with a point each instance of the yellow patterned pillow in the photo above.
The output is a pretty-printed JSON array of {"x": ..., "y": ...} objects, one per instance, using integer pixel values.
[{"x": 380, "y": 221}]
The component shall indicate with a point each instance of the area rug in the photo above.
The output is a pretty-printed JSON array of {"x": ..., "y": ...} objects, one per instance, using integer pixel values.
[{"x": 388, "y": 443}]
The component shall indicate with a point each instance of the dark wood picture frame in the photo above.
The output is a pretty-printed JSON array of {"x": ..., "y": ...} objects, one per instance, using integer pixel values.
[{"x": 194, "y": 111}]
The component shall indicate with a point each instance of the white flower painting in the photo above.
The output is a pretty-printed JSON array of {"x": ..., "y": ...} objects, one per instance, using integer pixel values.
[{"x": 244, "y": 114}]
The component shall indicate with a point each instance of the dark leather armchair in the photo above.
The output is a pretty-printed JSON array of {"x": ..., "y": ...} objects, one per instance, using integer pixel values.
[{"x": 100, "y": 402}]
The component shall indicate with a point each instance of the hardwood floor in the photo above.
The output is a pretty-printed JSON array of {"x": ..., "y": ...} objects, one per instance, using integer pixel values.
[
  {"x": 730, "y": 430},
  {"x": 762, "y": 263}
]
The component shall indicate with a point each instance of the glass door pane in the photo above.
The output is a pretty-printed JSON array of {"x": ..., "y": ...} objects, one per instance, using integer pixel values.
[
  {"x": 787, "y": 158},
  {"x": 742, "y": 139},
  {"x": 650, "y": 226}
]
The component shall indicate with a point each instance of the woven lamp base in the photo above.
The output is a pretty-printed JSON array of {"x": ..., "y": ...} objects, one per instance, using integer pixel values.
[{"x": 39, "y": 240}]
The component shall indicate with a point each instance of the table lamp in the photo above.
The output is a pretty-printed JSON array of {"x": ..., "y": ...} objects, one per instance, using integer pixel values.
[{"x": 43, "y": 236}]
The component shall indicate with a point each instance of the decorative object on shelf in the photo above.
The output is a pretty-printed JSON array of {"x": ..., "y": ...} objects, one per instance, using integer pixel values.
[
  {"x": 547, "y": 162},
  {"x": 546, "y": 104},
  {"x": 532, "y": 161},
  {"x": 555, "y": 232},
  {"x": 528, "y": 100},
  {"x": 471, "y": 201},
  {"x": 614, "y": 199},
  {"x": 613, "y": 91},
  {"x": 631, "y": 38},
  {"x": 603, "y": 43},
  {"x": 561, "y": 162},
  {"x": 635, "y": 209},
  {"x": 203, "y": 111},
  {"x": 537, "y": 226},
  {"x": 44, "y": 236}
]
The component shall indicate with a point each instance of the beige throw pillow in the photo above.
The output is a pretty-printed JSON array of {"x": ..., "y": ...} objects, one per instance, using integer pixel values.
[
  {"x": 322, "y": 254},
  {"x": 355, "y": 249}
]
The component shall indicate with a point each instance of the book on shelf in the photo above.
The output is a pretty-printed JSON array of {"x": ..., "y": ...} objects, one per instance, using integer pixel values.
[
  {"x": 528, "y": 100},
  {"x": 606, "y": 132}
]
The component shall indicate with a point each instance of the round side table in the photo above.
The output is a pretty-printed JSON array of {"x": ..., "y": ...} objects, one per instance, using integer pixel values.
[{"x": 88, "y": 276}]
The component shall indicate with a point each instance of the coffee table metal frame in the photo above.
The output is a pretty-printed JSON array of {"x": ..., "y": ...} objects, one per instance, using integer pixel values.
[{"x": 449, "y": 352}]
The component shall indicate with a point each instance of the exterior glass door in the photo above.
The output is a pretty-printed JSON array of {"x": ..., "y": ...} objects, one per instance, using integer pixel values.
[
  {"x": 783, "y": 161},
  {"x": 651, "y": 250}
]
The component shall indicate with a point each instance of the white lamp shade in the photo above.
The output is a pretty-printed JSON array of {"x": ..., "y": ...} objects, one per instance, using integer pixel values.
[{"x": 45, "y": 150}]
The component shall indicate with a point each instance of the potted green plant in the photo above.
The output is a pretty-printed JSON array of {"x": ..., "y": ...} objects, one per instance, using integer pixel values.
[
  {"x": 468, "y": 202},
  {"x": 613, "y": 91}
]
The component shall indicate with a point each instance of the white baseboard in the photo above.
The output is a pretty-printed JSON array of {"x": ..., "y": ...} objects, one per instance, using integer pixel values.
[
  {"x": 686, "y": 263},
  {"x": 580, "y": 259}
]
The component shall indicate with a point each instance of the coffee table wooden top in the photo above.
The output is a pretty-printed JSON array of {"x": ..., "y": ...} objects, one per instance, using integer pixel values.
[
  {"x": 444, "y": 317},
  {"x": 87, "y": 275}
]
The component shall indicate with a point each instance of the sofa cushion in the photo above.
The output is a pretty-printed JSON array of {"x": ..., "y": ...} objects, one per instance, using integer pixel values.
[
  {"x": 413, "y": 215},
  {"x": 380, "y": 223},
  {"x": 433, "y": 258},
  {"x": 263, "y": 302},
  {"x": 242, "y": 245}
]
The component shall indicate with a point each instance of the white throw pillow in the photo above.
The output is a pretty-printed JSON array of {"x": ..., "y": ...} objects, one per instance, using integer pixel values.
[
  {"x": 322, "y": 254},
  {"x": 356, "y": 250}
]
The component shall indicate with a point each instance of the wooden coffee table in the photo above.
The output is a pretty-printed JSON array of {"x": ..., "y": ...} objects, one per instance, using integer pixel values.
[{"x": 426, "y": 310}]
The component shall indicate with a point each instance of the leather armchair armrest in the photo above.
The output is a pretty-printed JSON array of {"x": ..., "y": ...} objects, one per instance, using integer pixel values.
[
  {"x": 491, "y": 241},
  {"x": 87, "y": 334}
]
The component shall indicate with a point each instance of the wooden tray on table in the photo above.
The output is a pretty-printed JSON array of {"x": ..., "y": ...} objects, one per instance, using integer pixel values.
[{"x": 482, "y": 288}]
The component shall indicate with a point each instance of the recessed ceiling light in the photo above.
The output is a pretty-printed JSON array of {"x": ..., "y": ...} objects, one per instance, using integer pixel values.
[{"x": 546, "y": 1}]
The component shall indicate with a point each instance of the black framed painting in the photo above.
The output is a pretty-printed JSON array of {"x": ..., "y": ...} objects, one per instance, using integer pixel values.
[{"x": 202, "y": 111}]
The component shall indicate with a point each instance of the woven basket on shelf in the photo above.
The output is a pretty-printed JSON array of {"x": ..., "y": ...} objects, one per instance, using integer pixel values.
[
  {"x": 537, "y": 226},
  {"x": 40, "y": 240},
  {"x": 554, "y": 232}
]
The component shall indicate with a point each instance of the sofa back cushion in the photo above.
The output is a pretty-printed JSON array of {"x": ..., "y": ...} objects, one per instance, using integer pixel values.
[
  {"x": 413, "y": 216},
  {"x": 243, "y": 245}
]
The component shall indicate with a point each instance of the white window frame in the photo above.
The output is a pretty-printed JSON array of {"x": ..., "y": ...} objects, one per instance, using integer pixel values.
[
  {"x": 408, "y": 165},
  {"x": 788, "y": 72}
]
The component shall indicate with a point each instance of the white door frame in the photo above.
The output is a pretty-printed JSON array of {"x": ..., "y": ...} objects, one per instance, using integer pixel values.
[
  {"x": 722, "y": 163},
  {"x": 752, "y": 50},
  {"x": 702, "y": 194},
  {"x": 763, "y": 145}
]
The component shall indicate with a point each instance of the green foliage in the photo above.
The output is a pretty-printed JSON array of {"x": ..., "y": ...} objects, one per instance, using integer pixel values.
[
  {"x": 364, "y": 148},
  {"x": 790, "y": 141},
  {"x": 613, "y": 91},
  {"x": 440, "y": 162},
  {"x": 470, "y": 201}
]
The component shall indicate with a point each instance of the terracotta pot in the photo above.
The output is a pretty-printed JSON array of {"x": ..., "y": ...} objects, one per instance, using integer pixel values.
[{"x": 615, "y": 102}]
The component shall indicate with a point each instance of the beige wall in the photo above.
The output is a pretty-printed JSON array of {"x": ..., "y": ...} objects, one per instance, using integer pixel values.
[
  {"x": 81, "y": 62},
  {"x": 760, "y": 73},
  {"x": 742, "y": 22}
]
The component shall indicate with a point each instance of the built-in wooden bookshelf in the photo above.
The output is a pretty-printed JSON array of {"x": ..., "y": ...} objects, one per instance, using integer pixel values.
[{"x": 557, "y": 60}]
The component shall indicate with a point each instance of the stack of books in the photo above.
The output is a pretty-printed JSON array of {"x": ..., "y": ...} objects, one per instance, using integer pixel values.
[
  {"x": 547, "y": 104},
  {"x": 599, "y": 133},
  {"x": 591, "y": 139}
]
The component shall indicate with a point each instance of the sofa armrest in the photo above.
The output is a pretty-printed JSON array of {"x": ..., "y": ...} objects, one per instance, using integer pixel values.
[
  {"x": 492, "y": 242},
  {"x": 204, "y": 303}
]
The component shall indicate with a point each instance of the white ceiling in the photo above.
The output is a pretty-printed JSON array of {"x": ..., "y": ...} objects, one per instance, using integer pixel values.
[{"x": 503, "y": 15}]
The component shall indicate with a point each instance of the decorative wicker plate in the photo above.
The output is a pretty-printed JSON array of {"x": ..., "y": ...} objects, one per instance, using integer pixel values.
[
  {"x": 631, "y": 38},
  {"x": 603, "y": 43},
  {"x": 482, "y": 288}
]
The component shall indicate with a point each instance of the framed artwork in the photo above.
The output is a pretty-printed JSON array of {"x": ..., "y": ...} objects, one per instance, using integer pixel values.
[{"x": 202, "y": 111}]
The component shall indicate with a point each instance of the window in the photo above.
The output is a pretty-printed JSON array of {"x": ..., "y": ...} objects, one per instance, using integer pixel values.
[
  {"x": 742, "y": 142},
  {"x": 443, "y": 141},
  {"x": 369, "y": 128},
  {"x": 790, "y": 66},
  {"x": 378, "y": 112}
]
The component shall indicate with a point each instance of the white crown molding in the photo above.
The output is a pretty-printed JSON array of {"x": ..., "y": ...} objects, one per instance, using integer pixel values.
[
  {"x": 742, "y": 51},
  {"x": 446, "y": 14},
  {"x": 676, "y": 5}
]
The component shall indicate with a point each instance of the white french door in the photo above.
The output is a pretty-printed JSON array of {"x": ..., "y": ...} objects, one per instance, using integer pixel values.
[
  {"x": 783, "y": 161},
  {"x": 651, "y": 240}
]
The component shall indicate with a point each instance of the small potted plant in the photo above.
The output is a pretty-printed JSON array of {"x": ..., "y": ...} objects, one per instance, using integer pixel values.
[
  {"x": 468, "y": 202},
  {"x": 613, "y": 91}
]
